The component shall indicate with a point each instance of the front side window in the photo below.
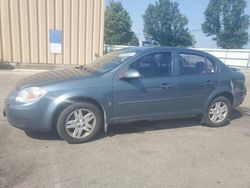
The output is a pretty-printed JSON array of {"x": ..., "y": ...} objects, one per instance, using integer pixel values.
[
  {"x": 154, "y": 65},
  {"x": 191, "y": 64}
]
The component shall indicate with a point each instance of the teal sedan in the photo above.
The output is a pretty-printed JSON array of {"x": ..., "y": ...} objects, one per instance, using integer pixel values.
[{"x": 142, "y": 83}]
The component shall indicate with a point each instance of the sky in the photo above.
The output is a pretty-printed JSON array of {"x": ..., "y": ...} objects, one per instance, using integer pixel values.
[{"x": 192, "y": 9}]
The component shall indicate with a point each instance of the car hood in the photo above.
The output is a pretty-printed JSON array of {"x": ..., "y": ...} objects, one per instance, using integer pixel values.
[{"x": 50, "y": 77}]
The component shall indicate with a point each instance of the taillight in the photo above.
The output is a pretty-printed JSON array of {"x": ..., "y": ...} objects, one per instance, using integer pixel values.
[{"x": 238, "y": 84}]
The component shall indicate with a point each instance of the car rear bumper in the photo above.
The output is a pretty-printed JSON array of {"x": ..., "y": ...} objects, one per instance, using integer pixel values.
[{"x": 239, "y": 97}]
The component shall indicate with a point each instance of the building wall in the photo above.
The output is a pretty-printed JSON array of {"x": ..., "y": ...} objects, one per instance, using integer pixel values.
[{"x": 25, "y": 25}]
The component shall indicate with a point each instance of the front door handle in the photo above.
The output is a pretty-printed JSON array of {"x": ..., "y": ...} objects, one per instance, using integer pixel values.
[{"x": 166, "y": 86}]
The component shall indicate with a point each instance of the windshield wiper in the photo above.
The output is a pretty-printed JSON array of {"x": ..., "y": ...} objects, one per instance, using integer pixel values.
[{"x": 84, "y": 68}]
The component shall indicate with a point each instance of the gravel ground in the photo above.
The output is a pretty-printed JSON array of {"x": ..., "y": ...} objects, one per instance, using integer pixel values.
[{"x": 173, "y": 153}]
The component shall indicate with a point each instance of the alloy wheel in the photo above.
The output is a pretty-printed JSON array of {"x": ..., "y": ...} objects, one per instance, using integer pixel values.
[
  {"x": 218, "y": 112},
  {"x": 80, "y": 123}
]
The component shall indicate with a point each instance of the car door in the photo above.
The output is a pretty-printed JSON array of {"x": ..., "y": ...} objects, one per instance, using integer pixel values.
[
  {"x": 150, "y": 96},
  {"x": 198, "y": 78}
]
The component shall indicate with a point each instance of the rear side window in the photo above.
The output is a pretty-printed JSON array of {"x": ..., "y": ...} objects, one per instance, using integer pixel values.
[
  {"x": 211, "y": 68},
  {"x": 192, "y": 64}
]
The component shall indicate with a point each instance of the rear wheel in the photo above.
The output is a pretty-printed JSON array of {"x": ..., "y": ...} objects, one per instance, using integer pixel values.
[
  {"x": 218, "y": 112},
  {"x": 79, "y": 122}
]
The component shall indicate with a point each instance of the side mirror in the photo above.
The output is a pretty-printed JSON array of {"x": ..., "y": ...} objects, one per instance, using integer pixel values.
[{"x": 131, "y": 74}]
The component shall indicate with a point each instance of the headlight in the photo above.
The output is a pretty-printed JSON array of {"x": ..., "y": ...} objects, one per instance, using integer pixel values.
[{"x": 30, "y": 94}]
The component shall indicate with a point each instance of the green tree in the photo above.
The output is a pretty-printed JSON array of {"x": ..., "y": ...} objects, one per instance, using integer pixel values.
[
  {"x": 134, "y": 40},
  {"x": 117, "y": 29},
  {"x": 227, "y": 23},
  {"x": 165, "y": 24}
]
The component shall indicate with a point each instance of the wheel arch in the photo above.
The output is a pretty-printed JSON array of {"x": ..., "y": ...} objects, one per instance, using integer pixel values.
[
  {"x": 226, "y": 94},
  {"x": 72, "y": 100}
]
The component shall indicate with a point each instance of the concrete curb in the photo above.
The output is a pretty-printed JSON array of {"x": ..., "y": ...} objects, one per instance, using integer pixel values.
[{"x": 6, "y": 65}]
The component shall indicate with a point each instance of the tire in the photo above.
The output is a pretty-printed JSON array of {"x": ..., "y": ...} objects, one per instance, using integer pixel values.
[
  {"x": 222, "y": 118},
  {"x": 79, "y": 123}
]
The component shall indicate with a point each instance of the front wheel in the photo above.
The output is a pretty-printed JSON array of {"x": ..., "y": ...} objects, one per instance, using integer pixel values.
[
  {"x": 218, "y": 112},
  {"x": 79, "y": 122}
]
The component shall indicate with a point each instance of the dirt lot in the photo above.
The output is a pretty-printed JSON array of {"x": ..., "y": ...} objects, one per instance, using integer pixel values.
[{"x": 175, "y": 153}]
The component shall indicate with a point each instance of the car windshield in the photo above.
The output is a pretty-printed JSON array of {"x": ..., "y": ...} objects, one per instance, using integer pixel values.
[{"x": 109, "y": 61}]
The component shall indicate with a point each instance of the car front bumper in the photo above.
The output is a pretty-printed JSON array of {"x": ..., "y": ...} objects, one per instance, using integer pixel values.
[{"x": 33, "y": 117}]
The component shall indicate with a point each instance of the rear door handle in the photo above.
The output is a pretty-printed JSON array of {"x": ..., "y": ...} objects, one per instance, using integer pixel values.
[
  {"x": 166, "y": 86},
  {"x": 208, "y": 82}
]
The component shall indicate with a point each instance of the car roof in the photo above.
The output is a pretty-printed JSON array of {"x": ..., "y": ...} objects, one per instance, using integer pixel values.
[
  {"x": 155, "y": 48},
  {"x": 162, "y": 48},
  {"x": 143, "y": 48}
]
